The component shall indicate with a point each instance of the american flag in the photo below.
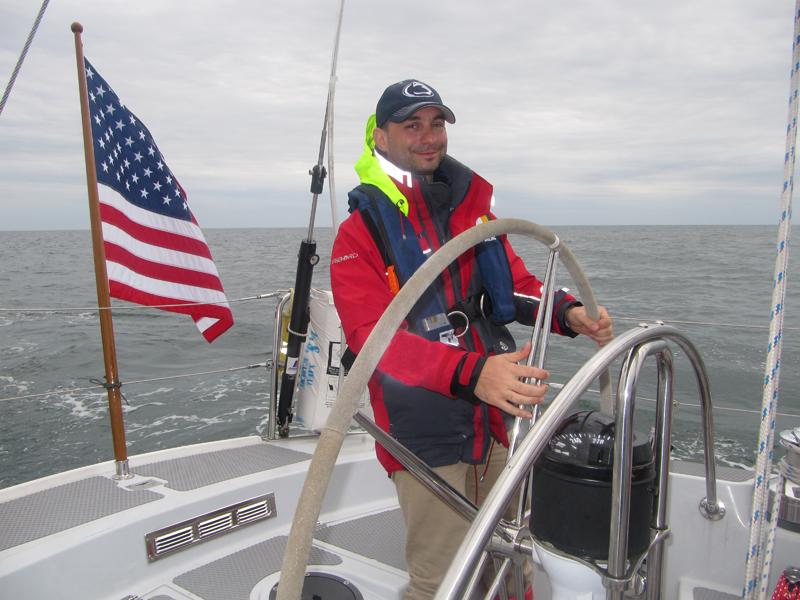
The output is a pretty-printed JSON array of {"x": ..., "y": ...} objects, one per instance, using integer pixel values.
[{"x": 155, "y": 251}]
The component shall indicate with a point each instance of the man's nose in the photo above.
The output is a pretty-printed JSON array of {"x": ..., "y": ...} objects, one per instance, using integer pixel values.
[{"x": 428, "y": 135}]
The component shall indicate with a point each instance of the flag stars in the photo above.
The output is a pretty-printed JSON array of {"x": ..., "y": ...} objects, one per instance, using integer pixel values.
[
  {"x": 128, "y": 158},
  {"x": 89, "y": 73}
]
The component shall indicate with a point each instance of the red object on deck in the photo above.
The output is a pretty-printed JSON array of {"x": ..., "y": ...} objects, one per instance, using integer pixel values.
[{"x": 788, "y": 587}]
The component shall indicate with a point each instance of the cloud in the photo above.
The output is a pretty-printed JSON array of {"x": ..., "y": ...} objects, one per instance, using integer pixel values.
[{"x": 584, "y": 113}]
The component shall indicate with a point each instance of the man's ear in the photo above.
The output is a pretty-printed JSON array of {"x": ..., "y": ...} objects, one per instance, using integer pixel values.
[{"x": 379, "y": 135}]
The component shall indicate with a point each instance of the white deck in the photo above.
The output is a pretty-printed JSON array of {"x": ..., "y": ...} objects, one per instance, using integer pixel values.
[{"x": 81, "y": 543}]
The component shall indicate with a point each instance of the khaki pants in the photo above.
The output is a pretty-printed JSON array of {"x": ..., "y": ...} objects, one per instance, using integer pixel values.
[{"x": 434, "y": 531}]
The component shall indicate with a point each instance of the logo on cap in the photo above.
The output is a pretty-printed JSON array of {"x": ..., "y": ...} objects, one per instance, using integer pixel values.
[{"x": 415, "y": 89}]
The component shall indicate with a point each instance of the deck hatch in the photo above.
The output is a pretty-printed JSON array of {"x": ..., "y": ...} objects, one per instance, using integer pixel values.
[{"x": 181, "y": 535}]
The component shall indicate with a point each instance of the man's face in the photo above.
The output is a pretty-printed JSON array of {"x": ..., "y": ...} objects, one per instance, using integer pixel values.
[{"x": 418, "y": 144}]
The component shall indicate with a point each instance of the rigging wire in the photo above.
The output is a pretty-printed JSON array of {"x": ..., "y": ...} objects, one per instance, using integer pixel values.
[
  {"x": 22, "y": 56},
  {"x": 558, "y": 386},
  {"x": 135, "y": 307},
  {"x": 269, "y": 364},
  {"x": 617, "y": 317},
  {"x": 329, "y": 115},
  {"x": 266, "y": 365}
]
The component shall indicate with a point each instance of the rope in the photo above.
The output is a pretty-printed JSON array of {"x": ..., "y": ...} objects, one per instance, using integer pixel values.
[
  {"x": 24, "y": 53},
  {"x": 759, "y": 552},
  {"x": 140, "y": 307},
  {"x": 770, "y": 539},
  {"x": 102, "y": 384},
  {"x": 115, "y": 385}
]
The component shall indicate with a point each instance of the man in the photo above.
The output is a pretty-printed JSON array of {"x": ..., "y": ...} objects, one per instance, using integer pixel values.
[{"x": 451, "y": 373}]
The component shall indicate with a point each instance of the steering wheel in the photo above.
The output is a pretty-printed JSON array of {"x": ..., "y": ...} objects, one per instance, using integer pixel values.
[{"x": 332, "y": 435}]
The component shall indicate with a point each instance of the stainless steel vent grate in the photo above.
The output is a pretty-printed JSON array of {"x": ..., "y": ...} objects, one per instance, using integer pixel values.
[
  {"x": 215, "y": 525},
  {"x": 173, "y": 540},
  {"x": 252, "y": 512},
  {"x": 181, "y": 535}
]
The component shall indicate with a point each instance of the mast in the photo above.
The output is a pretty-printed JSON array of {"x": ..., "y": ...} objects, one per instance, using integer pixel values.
[
  {"x": 307, "y": 258},
  {"x": 112, "y": 383}
]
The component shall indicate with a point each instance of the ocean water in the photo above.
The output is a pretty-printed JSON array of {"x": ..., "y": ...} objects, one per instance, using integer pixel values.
[{"x": 712, "y": 282}]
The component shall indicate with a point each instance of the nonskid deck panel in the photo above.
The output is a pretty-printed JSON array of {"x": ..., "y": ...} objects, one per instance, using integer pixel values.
[
  {"x": 381, "y": 536},
  {"x": 45, "y": 513},
  {"x": 50, "y": 511},
  {"x": 234, "y": 576},
  {"x": 199, "y": 470}
]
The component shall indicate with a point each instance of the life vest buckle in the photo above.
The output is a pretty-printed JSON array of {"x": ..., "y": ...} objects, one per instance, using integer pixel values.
[{"x": 456, "y": 326}]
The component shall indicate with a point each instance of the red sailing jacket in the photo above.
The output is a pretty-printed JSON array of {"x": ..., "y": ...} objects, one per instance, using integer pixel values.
[{"x": 423, "y": 391}]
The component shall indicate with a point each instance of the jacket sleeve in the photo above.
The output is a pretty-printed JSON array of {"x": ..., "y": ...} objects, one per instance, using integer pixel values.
[
  {"x": 528, "y": 291},
  {"x": 361, "y": 294}
]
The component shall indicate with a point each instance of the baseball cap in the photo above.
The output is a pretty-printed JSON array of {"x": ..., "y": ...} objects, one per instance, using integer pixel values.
[{"x": 402, "y": 99}]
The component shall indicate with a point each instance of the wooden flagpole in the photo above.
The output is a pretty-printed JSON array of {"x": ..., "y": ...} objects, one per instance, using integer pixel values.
[{"x": 101, "y": 276}]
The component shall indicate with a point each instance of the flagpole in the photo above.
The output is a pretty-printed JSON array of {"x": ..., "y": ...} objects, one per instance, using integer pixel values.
[{"x": 112, "y": 384}]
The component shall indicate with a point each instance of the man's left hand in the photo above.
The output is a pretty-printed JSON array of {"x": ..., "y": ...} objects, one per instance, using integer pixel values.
[{"x": 600, "y": 330}]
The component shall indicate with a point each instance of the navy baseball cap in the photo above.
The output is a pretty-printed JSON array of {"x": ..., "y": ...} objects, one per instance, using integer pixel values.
[{"x": 402, "y": 99}]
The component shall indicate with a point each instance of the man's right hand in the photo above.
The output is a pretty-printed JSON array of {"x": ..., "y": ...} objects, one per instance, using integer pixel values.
[{"x": 499, "y": 382}]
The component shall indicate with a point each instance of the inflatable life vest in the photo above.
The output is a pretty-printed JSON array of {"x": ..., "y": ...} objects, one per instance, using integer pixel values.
[{"x": 403, "y": 255}]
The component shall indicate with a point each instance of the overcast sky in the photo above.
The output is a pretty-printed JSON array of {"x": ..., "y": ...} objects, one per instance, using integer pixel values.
[{"x": 587, "y": 112}]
